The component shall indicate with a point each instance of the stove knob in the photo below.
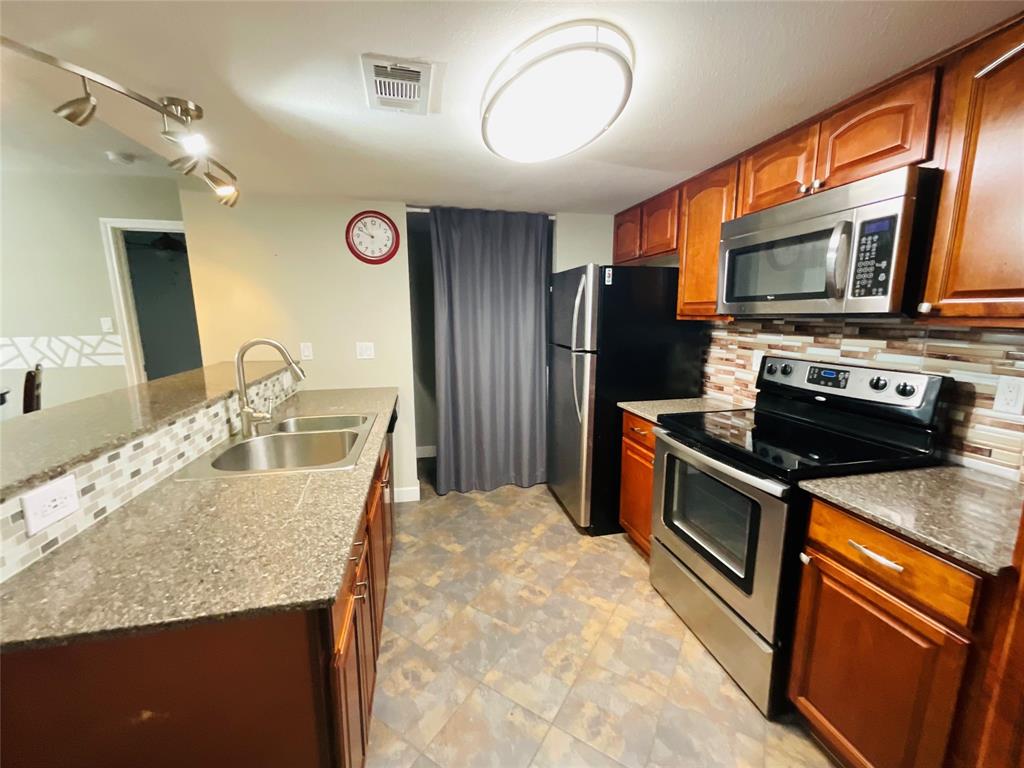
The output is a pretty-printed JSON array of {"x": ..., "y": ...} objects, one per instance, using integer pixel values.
[
  {"x": 878, "y": 383},
  {"x": 903, "y": 389},
  {"x": 786, "y": 369},
  {"x": 772, "y": 368}
]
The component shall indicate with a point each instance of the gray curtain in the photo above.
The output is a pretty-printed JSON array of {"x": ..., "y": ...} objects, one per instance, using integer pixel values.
[{"x": 491, "y": 275}]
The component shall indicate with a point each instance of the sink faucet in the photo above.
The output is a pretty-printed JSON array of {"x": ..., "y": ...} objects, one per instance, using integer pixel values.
[{"x": 250, "y": 416}]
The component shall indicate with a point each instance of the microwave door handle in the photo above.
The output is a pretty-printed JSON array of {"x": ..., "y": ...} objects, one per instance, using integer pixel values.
[{"x": 837, "y": 259}]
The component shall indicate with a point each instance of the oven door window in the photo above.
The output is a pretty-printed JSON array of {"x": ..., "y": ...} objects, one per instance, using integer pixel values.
[
  {"x": 718, "y": 522},
  {"x": 790, "y": 268}
]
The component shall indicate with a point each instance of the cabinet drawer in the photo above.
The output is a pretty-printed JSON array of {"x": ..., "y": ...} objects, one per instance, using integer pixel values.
[
  {"x": 935, "y": 584},
  {"x": 638, "y": 430}
]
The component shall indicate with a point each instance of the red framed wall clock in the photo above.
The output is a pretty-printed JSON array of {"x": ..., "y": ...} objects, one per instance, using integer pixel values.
[{"x": 372, "y": 237}]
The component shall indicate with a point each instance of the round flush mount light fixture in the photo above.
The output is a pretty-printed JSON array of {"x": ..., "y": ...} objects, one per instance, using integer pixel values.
[{"x": 558, "y": 91}]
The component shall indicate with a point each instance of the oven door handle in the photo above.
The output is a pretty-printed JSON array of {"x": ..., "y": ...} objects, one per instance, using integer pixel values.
[
  {"x": 703, "y": 461},
  {"x": 836, "y": 268}
]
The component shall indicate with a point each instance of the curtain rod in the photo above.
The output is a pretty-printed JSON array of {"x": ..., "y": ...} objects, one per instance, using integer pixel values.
[{"x": 420, "y": 209}]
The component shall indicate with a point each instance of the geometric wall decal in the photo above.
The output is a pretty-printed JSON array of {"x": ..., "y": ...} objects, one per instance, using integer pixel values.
[{"x": 24, "y": 352}]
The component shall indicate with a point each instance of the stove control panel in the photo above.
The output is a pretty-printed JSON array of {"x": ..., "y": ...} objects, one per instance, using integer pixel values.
[{"x": 902, "y": 388}]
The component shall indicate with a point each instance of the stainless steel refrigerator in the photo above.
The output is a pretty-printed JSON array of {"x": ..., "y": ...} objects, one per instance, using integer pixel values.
[{"x": 614, "y": 337}]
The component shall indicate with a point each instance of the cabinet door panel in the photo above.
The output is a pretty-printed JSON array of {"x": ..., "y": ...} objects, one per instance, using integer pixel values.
[
  {"x": 352, "y": 731},
  {"x": 636, "y": 492},
  {"x": 876, "y": 679},
  {"x": 660, "y": 223},
  {"x": 378, "y": 559},
  {"x": 708, "y": 200},
  {"x": 877, "y": 134},
  {"x": 776, "y": 172},
  {"x": 977, "y": 267},
  {"x": 626, "y": 243}
]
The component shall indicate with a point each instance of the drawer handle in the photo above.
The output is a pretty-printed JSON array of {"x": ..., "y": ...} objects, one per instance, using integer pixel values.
[
  {"x": 882, "y": 561},
  {"x": 640, "y": 431},
  {"x": 805, "y": 558},
  {"x": 365, "y": 584}
]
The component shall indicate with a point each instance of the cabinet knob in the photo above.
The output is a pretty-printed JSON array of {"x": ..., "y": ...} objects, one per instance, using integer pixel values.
[
  {"x": 817, "y": 184},
  {"x": 804, "y": 189},
  {"x": 924, "y": 307},
  {"x": 805, "y": 558}
]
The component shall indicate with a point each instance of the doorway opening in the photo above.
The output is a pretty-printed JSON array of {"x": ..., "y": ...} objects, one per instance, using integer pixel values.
[
  {"x": 151, "y": 281},
  {"x": 421, "y": 299}
]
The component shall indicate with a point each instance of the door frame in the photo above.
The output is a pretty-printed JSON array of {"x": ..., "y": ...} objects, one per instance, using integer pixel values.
[{"x": 125, "y": 314}]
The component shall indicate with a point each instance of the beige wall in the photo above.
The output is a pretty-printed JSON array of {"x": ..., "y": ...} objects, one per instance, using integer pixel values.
[
  {"x": 582, "y": 238},
  {"x": 55, "y": 279},
  {"x": 278, "y": 267}
]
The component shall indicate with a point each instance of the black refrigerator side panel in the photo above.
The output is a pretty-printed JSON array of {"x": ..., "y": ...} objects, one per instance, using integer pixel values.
[{"x": 644, "y": 353}]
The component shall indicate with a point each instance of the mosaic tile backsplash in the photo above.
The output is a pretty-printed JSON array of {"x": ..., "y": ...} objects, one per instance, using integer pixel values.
[
  {"x": 117, "y": 477},
  {"x": 979, "y": 437}
]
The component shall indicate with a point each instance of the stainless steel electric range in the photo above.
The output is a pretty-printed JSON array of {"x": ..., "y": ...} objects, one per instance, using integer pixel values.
[{"x": 729, "y": 520}]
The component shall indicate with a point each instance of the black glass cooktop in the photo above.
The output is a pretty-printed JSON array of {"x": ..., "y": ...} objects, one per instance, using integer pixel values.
[{"x": 786, "y": 448}]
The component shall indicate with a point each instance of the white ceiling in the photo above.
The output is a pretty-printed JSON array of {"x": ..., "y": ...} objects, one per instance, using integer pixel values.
[{"x": 286, "y": 110}]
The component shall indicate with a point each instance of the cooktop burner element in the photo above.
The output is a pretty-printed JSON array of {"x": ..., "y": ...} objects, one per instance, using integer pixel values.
[{"x": 815, "y": 419}]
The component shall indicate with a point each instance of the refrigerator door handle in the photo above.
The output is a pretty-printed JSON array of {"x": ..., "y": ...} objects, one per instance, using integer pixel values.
[
  {"x": 576, "y": 315},
  {"x": 575, "y": 390}
]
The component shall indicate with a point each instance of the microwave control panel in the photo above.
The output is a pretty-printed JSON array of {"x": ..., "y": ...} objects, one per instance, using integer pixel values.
[{"x": 873, "y": 265}]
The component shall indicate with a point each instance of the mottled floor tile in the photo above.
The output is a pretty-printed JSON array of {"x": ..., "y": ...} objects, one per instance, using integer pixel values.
[
  {"x": 461, "y": 577},
  {"x": 538, "y": 566},
  {"x": 612, "y": 714},
  {"x": 595, "y": 581},
  {"x": 472, "y": 641},
  {"x": 488, "y": 731},
  {"x": 560, "y": 750},
  {"x": 641, "y": 603},
  {"x": 387, "y": 749},
  {"x": 425, "y": 762},
  {"x": 789, "y": 746},
  {"x": 638, "y": 653},
  {"x": 510, "y": 599},
  {"x": 417, "y": 611},
  {"x": 416, "y": 692},
  {"x": 687, "y": 737}
]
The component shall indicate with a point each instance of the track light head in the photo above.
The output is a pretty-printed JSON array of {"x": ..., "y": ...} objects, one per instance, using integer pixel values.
[
  {"x": 193, "y": 143},
  {"x": 78, "y": 111},
  {"x": 226, "y": 190}
]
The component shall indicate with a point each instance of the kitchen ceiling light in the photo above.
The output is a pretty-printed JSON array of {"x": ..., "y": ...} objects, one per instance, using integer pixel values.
[
  {"x": 558, "y": 91},
  {"x": 226, "y": 190},
  {"x": 78, "y": 111}
]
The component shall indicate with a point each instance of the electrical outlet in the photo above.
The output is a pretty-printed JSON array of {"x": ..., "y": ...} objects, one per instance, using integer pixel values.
[
  {"x": 49, "y": 503},
  {"x": 306, "y": 350},
  {"x": 107, "y": 324},
  {"x": 1010, "y": 395},
  {"x": 364, "y": 350}
]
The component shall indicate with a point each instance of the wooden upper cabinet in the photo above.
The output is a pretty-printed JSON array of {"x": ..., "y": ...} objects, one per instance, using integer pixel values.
[
  {"x": 977, "y": 264},
  {"x": 878, "y": 133},
  {"x": 778, "y": 172},
  {"x": 877, "y": 680},
  {"x": 626, "y": 237},
  {"x": 707, "y": 201},
  {"x": 659, "y": 225}
]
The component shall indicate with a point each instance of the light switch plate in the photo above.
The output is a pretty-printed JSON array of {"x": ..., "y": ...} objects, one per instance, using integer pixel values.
[
  {"x": 364, "y": 350},
  {"x": 107, "y": 324},
  {"x": 306, "y": 350},
  {"x": 49, "y": 503},
  {"x": 1010, "y": 395}
]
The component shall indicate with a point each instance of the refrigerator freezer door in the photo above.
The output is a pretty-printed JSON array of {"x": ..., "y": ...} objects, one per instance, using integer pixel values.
[
  {"x": 570, "y": 430},
  {"x": 574, "y": 300}
]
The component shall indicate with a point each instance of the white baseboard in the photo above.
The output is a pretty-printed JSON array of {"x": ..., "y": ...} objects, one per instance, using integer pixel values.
[
  {"x": 408, "y": 493},
  {"x": 426, "y": 451}
]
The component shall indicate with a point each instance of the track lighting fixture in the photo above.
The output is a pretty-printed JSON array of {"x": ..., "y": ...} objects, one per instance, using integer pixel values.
[{"x": 78, "y": 111}]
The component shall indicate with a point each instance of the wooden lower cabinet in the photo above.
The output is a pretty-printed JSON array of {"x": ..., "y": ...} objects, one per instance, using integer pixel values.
[
  {"x": 877, "y": 679},
  {"x": 285, "y": 688},
  {"x": 636, "y": 489}
]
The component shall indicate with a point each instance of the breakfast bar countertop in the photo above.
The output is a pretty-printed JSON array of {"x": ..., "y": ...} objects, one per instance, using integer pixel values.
[
  {"x": 970, "y": 517},
  {"x": 191, "y": 550}
]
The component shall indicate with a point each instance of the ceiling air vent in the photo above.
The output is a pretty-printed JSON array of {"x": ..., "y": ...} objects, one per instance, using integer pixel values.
[{"x": 399, "y": 85}]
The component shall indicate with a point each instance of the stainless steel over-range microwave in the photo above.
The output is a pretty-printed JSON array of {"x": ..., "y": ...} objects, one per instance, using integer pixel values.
[{"x": 840, "y": 251}]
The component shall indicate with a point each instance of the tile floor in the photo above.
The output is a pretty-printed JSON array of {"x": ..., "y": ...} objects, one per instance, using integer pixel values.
[{"x": 511, "y": 641}]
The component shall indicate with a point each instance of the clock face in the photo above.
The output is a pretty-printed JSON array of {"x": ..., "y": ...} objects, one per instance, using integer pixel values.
[{"x": 372, "y": 237}]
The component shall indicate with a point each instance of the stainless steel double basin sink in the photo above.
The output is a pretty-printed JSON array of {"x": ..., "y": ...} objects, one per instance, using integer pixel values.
[{"x": 303, "y": 443}]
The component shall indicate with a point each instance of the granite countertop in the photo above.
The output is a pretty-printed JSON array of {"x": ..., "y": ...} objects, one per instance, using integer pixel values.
[
  {"x": 42, "y": 445},
  {"x": 966, "y": 515},
  {"x": 191, "y": 550},
  {"x": 652, "y": 409}
]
